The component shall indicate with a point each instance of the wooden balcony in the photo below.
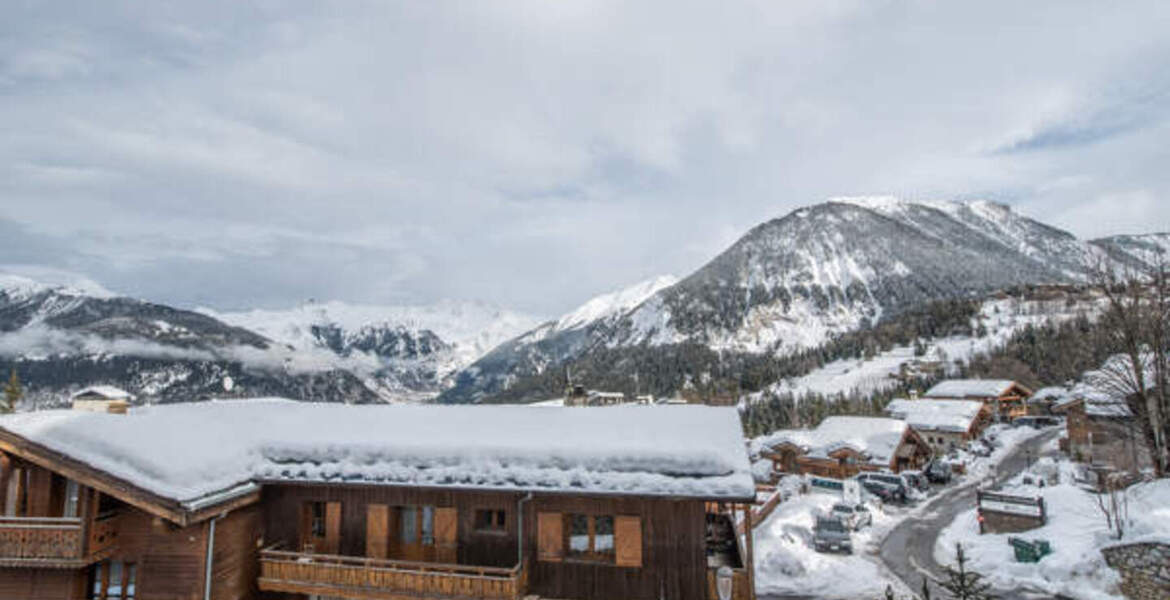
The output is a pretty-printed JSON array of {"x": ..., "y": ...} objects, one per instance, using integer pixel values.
[
  {"x": 54, "y": 541},
  {"x": 363, "y": 578}
]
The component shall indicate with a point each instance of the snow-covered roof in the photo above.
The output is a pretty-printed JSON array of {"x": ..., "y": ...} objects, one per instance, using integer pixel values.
[
  {"x": 108, "y": 392},
  {"x": 187, "y": 451},
  {"x": 1049, "y": 394},
  {"x": 969, "y": 388},
  {"x": 875, "y": 437},
  {"x": 936, "y": 415}
]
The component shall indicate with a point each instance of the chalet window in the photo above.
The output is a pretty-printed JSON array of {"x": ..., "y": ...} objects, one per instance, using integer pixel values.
[
  {"x": 113, "y": 580},
  {"x": 72, "y": 499},
  {"x": 417, "y": 524},
  {"x": 590, "y": 538},
  {"x": 490, "y": 521},
  {"x": 317, "y": 519}
]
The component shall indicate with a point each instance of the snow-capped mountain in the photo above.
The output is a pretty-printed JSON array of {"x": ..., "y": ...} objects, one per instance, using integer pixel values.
[
  {"x": 403, "y": 351},
  {"x": 60, "y": 338},
  {"x": 792, "y": 283},
  {"x": 1137, "y": 251}
]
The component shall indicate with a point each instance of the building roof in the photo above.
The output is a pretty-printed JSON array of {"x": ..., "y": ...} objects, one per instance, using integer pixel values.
[
  {"x": 969, "y": 388},
  {"x": 936, "y": 415},
  {"x": 108, "y": 392},
  {"x": 1052, "y": 394},
  {"x": 185, "y": 452},
  {"x": 876, "y": 437}
]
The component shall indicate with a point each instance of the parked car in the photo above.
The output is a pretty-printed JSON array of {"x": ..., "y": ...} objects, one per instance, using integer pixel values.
[
  {"x": 854, "y": 516},
  {"x": 939, "y": 472},
  {"x": 831, "y": 535},
  {"x": 884, "y": 491},
  {"x": 1035, "y": 422},
  {"x": 902, "y": 489},
  {"x": 917, "y": 480}
]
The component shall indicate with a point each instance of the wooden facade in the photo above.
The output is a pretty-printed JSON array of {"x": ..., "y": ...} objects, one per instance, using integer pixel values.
[
  {"x": 1010, "y": 403},
  {"x": 844, "y": 462},
  {"x": 77, "y": 534}
]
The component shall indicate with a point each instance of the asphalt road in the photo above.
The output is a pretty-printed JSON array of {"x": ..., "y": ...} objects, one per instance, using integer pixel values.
[{"x": 908, "y": 550}]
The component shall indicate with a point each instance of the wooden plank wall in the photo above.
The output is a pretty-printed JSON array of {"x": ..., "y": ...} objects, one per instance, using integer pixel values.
[
  {"x": 170, "y": 559},
  {"x": 42, "y": 584},
  {"x": 281, "y": 505},
  {"x": 237, "y": 555},
  {"x": 674, "y": 563}
]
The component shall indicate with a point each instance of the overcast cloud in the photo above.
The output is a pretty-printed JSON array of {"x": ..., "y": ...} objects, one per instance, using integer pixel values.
[{"x": 534, "y": 154}]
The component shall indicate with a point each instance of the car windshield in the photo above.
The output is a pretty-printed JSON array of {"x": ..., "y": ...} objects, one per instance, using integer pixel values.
[
  {"x": 841, "y": 508},
  {"x": 830, "y": 525}
]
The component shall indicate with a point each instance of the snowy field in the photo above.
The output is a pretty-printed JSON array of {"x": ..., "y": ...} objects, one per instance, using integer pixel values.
[{"x": 1076, "y": 530}]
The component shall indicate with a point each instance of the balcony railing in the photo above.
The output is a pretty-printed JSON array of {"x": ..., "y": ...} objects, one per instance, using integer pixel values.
[
  {"x": 40, "y": 538},
  {"x": 59, "y": 541},
  {"x": 372, "y": 578}
]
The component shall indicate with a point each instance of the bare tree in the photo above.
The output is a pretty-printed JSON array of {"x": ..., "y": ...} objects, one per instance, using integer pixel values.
[
  {"x": 1113, "y": 501},
  {"x": 1137, "y": 319}
]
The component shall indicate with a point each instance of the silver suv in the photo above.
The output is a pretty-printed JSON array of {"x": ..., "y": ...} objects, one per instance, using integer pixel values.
[{"x": 831, "y": 535}]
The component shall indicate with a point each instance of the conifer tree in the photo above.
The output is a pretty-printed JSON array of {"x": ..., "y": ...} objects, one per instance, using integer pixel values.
[
  {"x": 12, "y": 393},
  {"x": 962, "y": 583}
]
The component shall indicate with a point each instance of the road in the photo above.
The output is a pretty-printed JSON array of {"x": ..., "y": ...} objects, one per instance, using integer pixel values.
[{"x": 908, "y": 550}]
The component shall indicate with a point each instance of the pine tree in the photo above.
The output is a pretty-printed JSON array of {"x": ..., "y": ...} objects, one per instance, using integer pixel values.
[
  {"x": 12, "y": 393},
  {"x": 962, "y": 583}
]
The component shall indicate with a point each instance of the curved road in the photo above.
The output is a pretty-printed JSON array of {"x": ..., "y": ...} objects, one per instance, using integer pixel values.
[{"x": 908, "y": 550}]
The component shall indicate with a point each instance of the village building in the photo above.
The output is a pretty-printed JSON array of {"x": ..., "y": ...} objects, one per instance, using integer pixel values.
[
  {"x": 102, "y": 398},
  {"x": 1007, "y": 399},
  {"x": 1045, "y": 399},
  {"x": 945, "y": 424},
  {"x": 275, "y": 499},
  {"x": 1100, "y": 430},
  {"x": 579, "y": 396},
  {"x": 841, "y": 447}
]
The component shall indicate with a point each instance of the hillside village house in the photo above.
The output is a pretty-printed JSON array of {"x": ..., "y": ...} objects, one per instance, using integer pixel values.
[
  {"x": 1043, "y": 401},
  {"x": 841, "y": 447},
  {"x": 274, "y": 499},
  {"x": 1100, "y": 429},
  {"x": 102, "y": 398},
  {"x": 944, "y": 424},
  {"x": 1007, "y": 399}
]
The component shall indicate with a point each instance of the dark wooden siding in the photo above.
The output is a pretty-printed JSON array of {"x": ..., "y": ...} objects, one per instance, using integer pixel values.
[
  {"x": 282, "y": 509},
  {"x": 41, "y": 584},
  {"x": 236, "y": 555},
  {"x": 169, "y": 558},
  {"x": 674, "y": 561}
]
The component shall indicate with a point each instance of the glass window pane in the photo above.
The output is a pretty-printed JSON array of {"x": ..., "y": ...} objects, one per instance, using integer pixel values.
[
  {"x": 72, "y": 493},
  {"x": 603, "y": 535},
  {"x": 96, "y": 592},
  {"x": 131, "y": 581},
  {"x": 428, "y": 525},
  {"x": 114, "y": 590},
  {"x": 409, "y": 521},
  {"x": 578, "y": 533}
]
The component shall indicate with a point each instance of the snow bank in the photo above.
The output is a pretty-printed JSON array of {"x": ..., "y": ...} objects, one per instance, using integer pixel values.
[
  {"x": 187, "y": 451},
  {"x": 1077, "y": 532}
]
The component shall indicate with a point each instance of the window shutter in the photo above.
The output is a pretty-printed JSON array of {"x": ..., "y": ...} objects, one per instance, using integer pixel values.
[
  {"x": 332, "y": 527},
  {"x": 628, "y": 534},
  {"x": 550, "y": 534},
  {"x": 377, "y": 530},
  {"x": 446, "y": 529}
]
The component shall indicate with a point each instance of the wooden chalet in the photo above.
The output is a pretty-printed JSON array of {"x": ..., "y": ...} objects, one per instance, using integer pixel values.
[
  {"x": 1101, "y": 431},
  {"x": 944, "y": 424},
  {"x": 280, "y": 500},
  {"x": 1007, "y": 399},
  {"x": 842, "y": 447}
]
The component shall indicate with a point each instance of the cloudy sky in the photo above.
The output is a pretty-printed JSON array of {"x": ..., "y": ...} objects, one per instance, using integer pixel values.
[{"x": 533, "y": 154}]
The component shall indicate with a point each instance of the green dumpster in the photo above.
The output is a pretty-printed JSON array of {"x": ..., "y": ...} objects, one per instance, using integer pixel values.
[{"x": 1030, "y": 552}]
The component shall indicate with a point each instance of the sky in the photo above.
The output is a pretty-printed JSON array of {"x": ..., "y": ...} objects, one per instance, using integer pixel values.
[{"x": 535, "y": 154}]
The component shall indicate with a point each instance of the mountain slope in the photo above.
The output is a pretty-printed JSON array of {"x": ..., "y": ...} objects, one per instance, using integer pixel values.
[
  {"x": 60, "y": 339},
  {"x": 792, "y": 283}
]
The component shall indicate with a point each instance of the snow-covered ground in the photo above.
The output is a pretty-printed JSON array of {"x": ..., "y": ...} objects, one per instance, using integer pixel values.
[
  {"x": 1001, "y": 317},
  {"x": 1076, "y": 529},
  {"x": 787, "y": 564}
]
